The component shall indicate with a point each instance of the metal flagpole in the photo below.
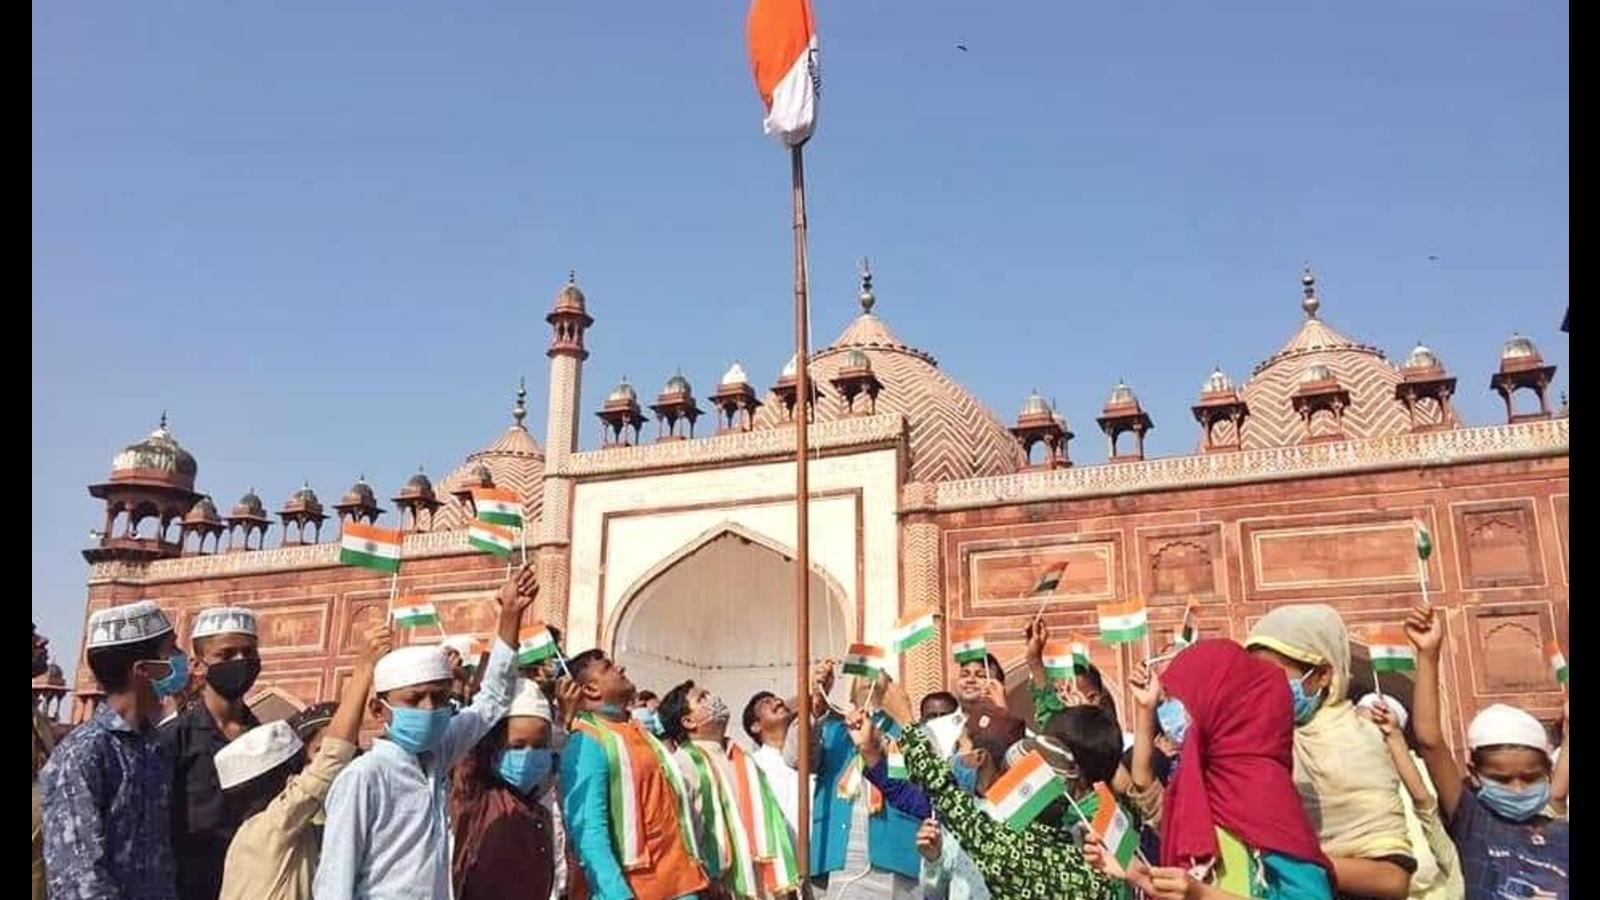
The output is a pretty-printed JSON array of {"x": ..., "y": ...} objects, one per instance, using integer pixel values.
[{"x": 802, "y": 496}]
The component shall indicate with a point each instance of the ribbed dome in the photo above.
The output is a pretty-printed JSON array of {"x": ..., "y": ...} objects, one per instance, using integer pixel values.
[
  {"x": 360, "y": 494},
  {"x": 1519, "y": 348},
  {"x": 952, "y": 434},
  {"x": 677, "y": 384},
  {"x": 1121, "y": 395},
  {"x": 570, "y": 298},
  {"x": 1217, "y": 382},
  {"x": 622, "y": 393},
  {"x": 249, "y": 505},
  {"x": 420, "y": 483},
  {"x": 304, "y": 499},
  {"x": 735, "y": 375},
  {"x": 1422, "y": 358},
  {"x": 855, "y": 359},
  {"x": 203, "y": 512},
  {"x": 790, "y": 369},
  {"x": 1035, "y": 405},
  {"x": 157, "y": 456},
  {"x": 1359, "y": 368}
]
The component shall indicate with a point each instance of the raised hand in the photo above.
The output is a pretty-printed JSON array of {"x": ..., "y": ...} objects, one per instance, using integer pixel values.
[
  {"x": 930, "y": 840},
  {"x": 1038, "y": 633},
  {"x": 894, "y": 701},
  {"x": 569, "y": 694},
  {"x": 518, "y": 593},
  {"x": 822, "y": 676},
  {"x": 1171, "y": 883},
  {"x": 1145, "y": 685},
  {"x": 380, "y": 641},
  {"x": 1425, "y": 629}
]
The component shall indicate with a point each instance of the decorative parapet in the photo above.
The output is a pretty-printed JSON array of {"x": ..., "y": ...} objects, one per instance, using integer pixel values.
[
  {"x": 738, "y": 447},
  {"x": 1424, "y": 449},
  {"x": 314, "y": 556}
]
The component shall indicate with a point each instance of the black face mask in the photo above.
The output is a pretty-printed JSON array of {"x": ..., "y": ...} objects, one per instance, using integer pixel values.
[{"x": 233, "y": 678}]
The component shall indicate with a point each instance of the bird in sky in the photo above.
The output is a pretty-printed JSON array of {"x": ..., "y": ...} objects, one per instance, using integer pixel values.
[{"x": 961, "y": 47}]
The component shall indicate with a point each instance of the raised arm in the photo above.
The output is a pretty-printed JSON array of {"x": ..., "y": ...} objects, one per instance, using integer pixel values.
[
  {"x": 1425, "y": 629},
  {"x": 499, "y": 675},
  {"x": 1558, "y": 780}
]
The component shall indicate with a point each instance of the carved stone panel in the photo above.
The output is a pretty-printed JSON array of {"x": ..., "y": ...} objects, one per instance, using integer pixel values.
[
  {"x": 1180, "y": 563},
  {"x": 1500, "y": 545},
  {"x": 293, "y": 627},
  {"x": 1345, "y": 554},
  {"x": 1001, "y": 581},
  {"x": 1509, "y": 643}
]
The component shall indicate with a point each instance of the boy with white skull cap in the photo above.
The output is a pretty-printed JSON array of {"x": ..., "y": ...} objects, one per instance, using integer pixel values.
[
  {"x": 387, "y": 833},
  {"x": 227, "y": 660},
  {"x": 274, "y": 853},
  {"x": 1497, "y": 813}
]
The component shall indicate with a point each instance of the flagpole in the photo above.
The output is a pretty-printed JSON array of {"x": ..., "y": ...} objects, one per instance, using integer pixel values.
[{"x": 802, "y": 494}]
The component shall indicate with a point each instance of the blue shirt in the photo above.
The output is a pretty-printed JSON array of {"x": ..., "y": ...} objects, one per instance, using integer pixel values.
[
  {"x": 891, "y": 834},
  {"x": 387, "y": 835},
  {"x": 106, "y": 793},
  {"x": 1499, "y": 857}
]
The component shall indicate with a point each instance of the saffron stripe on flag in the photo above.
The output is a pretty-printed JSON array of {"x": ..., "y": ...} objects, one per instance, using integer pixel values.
[
  {"x": 863, "y": 660},
  {"x": 491, "y": 538},
  {"x": 370, "y": 547},
  {"x": 497, "y": 505}
]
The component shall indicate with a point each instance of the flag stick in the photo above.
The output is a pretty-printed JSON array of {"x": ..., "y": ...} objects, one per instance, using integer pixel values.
[
  {"x": 802, "y": 495},
  {"x": 1422, "y": 579}
]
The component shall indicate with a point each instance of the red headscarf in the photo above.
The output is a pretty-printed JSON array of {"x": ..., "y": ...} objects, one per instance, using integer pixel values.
[{"x": 1235, "y": 769}]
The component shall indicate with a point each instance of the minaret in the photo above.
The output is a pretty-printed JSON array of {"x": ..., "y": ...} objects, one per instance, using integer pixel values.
[{"x": 568, "y": 322}]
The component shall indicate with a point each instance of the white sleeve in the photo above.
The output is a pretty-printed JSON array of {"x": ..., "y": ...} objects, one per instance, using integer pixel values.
[{"x": 490, "y": 705}]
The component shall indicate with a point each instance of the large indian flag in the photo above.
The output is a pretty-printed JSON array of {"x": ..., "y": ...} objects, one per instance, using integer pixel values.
[
  {"x": 1391, "y": 651},
  {"x": 370, "y": 547},
  {"x": 498, "y": 505},
  {"x": 491, "y": 538},
  {"x": 913, "y": 630},
  {"x": 783, "y": 58},
  {"x": 864, "y": 661},
  {"x": 1122, "y": 622},
  {"x": 1018, "y": 796},
  {"x": 967, "y": 644}
]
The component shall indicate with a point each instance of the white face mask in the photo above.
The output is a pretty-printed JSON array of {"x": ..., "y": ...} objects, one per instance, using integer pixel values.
[{"x": 715, "y": 709}]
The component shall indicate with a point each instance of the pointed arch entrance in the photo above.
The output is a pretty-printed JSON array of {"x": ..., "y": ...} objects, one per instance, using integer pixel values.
[{"x": 720, "y": 611}]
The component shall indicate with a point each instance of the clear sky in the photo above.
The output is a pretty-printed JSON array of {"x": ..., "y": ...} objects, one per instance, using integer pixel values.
[{"x": 324, "y": 235}]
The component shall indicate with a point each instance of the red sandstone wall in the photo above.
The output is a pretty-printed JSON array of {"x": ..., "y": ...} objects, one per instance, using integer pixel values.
[{"x": 1499, "y": 568}]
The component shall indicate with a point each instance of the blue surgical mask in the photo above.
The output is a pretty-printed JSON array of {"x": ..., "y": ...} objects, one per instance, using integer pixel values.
[
  {"x": 610, "y": 710},
  {"x": 1518, "y": 806},
  {"x": 418, "y": 730},
  {"x": 1174, "y": 719},
  {"x": 966, "y": 775},
  {"x": 1305, "y": 705},
  {"x": 524, "y": 768},
  {"x": 176, "y": 679},
  {"x": 647, "y": 719}
]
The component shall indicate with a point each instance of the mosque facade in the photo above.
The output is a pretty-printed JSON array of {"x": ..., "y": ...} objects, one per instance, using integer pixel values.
[{"x": 671, "y": 545}]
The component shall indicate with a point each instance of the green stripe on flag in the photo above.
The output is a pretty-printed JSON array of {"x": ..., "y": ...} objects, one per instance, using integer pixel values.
[
  {"x": 500, "y": 518},
  {"x": 913, "y": 639},
  {"x": 1125, "y": 635},
  {"x": 1035, "y": 804},
  {"x": 349, "y": 557},
  {"x": 488, "y": 546},
  {"x": 1394, "y": 663},
  {"x": 976, "y": 654},
  {"x": 861, "y": 669}
]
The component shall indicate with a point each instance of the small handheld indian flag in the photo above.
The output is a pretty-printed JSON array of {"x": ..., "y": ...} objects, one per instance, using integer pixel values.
[
  {"x": 414, "y": 613},
  {"x": 490, "y": 538},
  {"x": 1558, "y": 661},
  {"x": 370, "y": 547},
  {"x": 967, "y": 644},
  {"x": 1424, "y": 542},
  {"x": 535, "y": 644},
  {"x": 896, "y": 762},
  {"x": 864, "y": 661},
  {"x": 783, "y": 58},
  {"x": 913, "y": 630},
  {"x": 1113, "y": 827},
  {"x": 497, "y": 505},
  {"x": 1049, "y": 579},
  {"x": 1121, "y": 623},
  {"x": 1189, "y": 630},
  {"x": 1017, "y": 797},
  {"x": 1391, "y": 651},
  {"x": 1080, "y": 652},
  {"x": 1059, "y": 662}
]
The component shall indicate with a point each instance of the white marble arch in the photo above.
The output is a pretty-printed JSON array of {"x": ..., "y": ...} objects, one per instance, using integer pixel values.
[{"x": 719, "y": 611}]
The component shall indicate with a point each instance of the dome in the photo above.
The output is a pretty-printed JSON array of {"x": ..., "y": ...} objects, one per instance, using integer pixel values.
[
  {"x": 1422, "y": 358},
  {"x": 790, "y": 369},
  {"x": 1035, "y": 405},
  {"x": 360, "y": 494},
  {"x": 52, "y": 676},
  {"x": 303, "y": 499},
  {"x": 1316, "y": 372},
  {"x": 1360, "y": 369},
  {"x": 855, "y": 359},
  {"x": 157, "y": 455},
  {"x": 1217, "y": 382},
  {"x": 1519, "y": 348},
  {"x": 734, "y": 376},
  {"x": 622, "y": 393},
  {"x": 1121, "y": 395},
  {"x": 420, "y": 484},
  {"x": 570, "y": 298},
  {"x": 249, "y": 505},
  {"x": 952, "y": 434},
  {"x": 202, "y": 512},
  {"x": 677, "y": 384},
  {"x": 513, "y": 461}
]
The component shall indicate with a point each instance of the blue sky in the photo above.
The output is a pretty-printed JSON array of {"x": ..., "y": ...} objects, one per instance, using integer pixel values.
[{"x": 324, "y": 236}]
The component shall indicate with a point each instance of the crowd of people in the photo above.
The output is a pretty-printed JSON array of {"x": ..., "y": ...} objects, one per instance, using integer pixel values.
[{"x": 1250, "y": 771}]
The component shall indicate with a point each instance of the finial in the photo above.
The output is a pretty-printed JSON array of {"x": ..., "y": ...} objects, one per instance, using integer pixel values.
[
  {"x": 866, "y": 296},
  {"x": 163, "y": 420},
  {"x": 572, "y": 276},
  {"x": 1309, "y": 302},
  {"x": 519, "y": 411}
]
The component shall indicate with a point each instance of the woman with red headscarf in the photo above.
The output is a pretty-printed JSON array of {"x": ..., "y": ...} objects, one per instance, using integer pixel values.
[{"x": 1232, "y": 823}]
